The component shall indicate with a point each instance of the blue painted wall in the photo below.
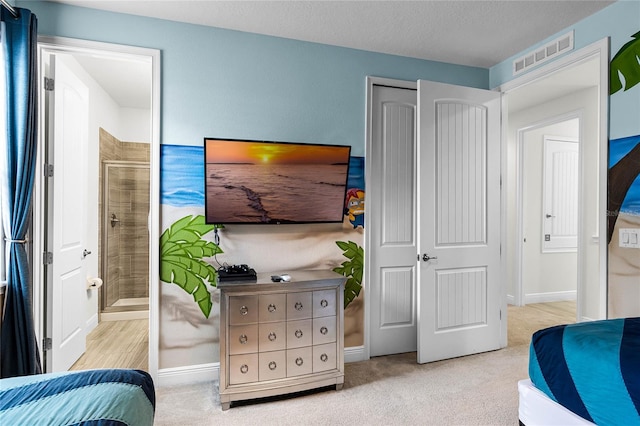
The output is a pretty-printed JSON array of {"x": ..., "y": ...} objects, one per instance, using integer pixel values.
[{"x": 223, "y": 83}]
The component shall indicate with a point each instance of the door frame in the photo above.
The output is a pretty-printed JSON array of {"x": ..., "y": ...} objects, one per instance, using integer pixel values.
[
  {"x": 599, "y": 49},
  {"x": 71, "y": 46},
  {"x": 368, "y": 134}
]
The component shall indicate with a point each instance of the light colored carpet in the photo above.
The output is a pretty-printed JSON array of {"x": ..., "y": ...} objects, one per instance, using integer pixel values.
[{"x": 390, "y": 390}]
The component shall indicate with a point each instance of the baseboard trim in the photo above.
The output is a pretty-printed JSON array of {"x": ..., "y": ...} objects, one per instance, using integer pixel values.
[
  {"x": 354, "y": 354},
  {"x": 556, "y": 296},
  {"x": 124, "y": 315},
  {"x": 188, "y": 374},
  {"x": 211, "y": 372},
  {"x": 91, "y": 323}
]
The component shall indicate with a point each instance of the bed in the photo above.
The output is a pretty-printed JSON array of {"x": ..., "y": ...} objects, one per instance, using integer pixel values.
[
  {"x": 583, "y": 374},
  {"x": 92, "y": 397}
]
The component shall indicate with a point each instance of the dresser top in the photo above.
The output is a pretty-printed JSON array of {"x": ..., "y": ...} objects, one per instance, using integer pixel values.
[{"x": 299, "y": 279}]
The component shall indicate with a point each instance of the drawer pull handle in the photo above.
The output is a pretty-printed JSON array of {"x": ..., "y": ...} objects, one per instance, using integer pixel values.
[
  {"x": 298, "y": 333},
  {"x": 324, "y": 330},
  {"x": 244, "y": 368},
  {"x": 243, "y": 339},
  {"x": 271, "y": 307},
  {"x": 324, "y": 357},
  {"x": 272, "y": 365},
  {"x": 324, "y": 303},
  {"x": 272, "y": 336},
  {"x": 244, "y": 310},
  {"x": 299, "y": 361},
  {"x": 298, "y": 306}
]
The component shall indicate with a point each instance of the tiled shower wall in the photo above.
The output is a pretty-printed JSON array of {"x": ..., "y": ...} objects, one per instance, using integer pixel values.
[{"x": 127, "y": 274}]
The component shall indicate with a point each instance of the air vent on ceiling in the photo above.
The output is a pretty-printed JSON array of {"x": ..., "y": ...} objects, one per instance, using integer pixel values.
[{"x": 544, "y": 53}]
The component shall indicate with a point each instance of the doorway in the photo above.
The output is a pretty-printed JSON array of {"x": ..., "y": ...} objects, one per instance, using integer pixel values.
[
  {"x": 99, "y": 61},
  {"x": 572, "y": 87}
]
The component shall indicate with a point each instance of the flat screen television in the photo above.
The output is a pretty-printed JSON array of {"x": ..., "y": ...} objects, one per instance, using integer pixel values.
[{"x": 274, "y": 182}]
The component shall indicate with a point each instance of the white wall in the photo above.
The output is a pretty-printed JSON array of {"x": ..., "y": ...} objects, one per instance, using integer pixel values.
[
  {"x": 585, "y": 101},
  {"x": 135, "y": 125},
  {"x": 546, "y": 276}
]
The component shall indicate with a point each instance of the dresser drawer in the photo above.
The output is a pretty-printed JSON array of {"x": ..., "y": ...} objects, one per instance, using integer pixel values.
[
  {"x": 324, "y": 330},
  {"x": 299, "y": 361},
  {"x": 243, "y": 309},
  {"x": 324, "y": 303},
  {"x": 299, "y": 305},
  {"x": 272, "y": 336},
  {"x": 272, "y": 307},
  {"x": 273, "y": 365},
  {"x": 299, "y": 333},
  {"x": 243, "y": 339},
  {"x": 243, "y": 369},
  {"x": 324, "y": 357}
]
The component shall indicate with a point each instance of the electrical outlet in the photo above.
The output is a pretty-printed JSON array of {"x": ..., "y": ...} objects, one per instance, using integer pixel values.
[{"x": 629, "y": 237}]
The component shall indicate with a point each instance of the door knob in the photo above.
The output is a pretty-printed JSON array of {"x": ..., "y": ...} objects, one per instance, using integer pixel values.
[
  {"x": 85, "y": 253},
  {"x": 427, "y": 258}
]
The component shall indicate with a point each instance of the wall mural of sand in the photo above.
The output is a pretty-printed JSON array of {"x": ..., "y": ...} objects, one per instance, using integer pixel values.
[
  {"x": 187, "y": 335},
  {"x": 624, "y": 212}
]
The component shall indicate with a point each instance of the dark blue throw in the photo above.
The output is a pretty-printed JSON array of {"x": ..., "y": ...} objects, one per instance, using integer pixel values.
[{"x": 591, "y": 368}]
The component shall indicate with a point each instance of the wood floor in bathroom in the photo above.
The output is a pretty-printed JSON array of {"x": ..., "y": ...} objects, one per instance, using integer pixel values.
[{"x": 117, "y": 344}]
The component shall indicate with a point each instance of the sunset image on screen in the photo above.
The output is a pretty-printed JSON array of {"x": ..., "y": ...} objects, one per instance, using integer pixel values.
[
  {"x": 274, "y": 182},
  {"x": 241, "y": 152}
]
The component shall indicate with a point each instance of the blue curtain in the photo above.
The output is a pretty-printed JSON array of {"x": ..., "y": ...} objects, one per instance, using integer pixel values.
[{"x": 19, "y": 355}]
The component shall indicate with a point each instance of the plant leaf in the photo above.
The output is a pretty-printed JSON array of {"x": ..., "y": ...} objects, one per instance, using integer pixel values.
[
  {"x": 627, "y": 63},
  {"x": 352, "y": 269},
  {"x": 181, "y": 254}
]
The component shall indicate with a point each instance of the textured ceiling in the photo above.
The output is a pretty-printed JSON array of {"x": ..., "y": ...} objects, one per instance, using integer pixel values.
[{"x": 475, "y": 33}]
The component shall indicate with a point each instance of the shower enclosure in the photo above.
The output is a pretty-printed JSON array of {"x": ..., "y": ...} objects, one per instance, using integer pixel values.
[{"x": 125, "y": 240}]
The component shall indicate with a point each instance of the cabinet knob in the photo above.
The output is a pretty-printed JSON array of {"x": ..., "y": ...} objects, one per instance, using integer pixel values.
[
  {"x": 324, "y": 357},
  {"x": 299, "y": 361},
  {"x": 243, "y": 339},
  {"x": 324, "y": 303},
  {"x": 324, "y": 330},
  {"x": 271, "y": 307},
  {"x": 298, "y": 306},
  {"x": 272, "y": 336},
  {"x": 298, "y": 333},
  {"x": 244, "y": 368},
  {"x": 272, "y": 365},
  {"x": 244, "y": 310}
]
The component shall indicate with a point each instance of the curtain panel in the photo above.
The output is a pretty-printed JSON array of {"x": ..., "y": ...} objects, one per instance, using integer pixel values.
[{"x": 18, "y": 145}]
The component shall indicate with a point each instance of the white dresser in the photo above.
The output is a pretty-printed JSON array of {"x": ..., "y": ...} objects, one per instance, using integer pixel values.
[{"x": 278, "y": 338}]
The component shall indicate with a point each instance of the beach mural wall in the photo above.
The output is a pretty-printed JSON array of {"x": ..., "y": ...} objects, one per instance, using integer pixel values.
[
  {"x": 623, "y": 210},
  {"x": 191, "y": 251}
]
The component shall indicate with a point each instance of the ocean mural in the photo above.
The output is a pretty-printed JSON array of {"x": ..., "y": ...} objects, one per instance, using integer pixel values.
[
  {"x": 192, "y": 250},
  {"x": 623, "y": 209}
]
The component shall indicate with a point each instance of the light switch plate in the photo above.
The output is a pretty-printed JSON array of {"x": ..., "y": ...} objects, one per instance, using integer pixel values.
[{"x": 629, "y": 237}]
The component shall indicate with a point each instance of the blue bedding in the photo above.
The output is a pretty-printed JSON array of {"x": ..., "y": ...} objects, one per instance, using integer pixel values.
[
  {"x": 91, "y": 397},
  {"x": 591, "y": 368}
]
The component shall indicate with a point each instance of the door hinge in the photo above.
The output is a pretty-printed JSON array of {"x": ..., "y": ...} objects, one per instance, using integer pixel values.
[
  {"x": 47, "y": 258},
  {"x": 48, "y": 170},
  {"x": 49, "y": 84},
  {"x": 46, "y": 344}
]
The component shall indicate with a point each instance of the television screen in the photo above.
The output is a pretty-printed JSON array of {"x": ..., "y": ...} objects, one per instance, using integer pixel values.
[{"x": 274, "y": 182}]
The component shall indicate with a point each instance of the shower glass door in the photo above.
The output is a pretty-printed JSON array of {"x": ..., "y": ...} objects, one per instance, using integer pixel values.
[{"x": 125, "y": 236}]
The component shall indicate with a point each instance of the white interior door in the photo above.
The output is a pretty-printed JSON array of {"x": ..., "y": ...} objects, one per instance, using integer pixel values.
[
  {"x": 560, "y": 194},
  {"x": 460, "y": 293},
  {"x": 391, "y": 197},
  {"x": 67, "y": 119}
]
